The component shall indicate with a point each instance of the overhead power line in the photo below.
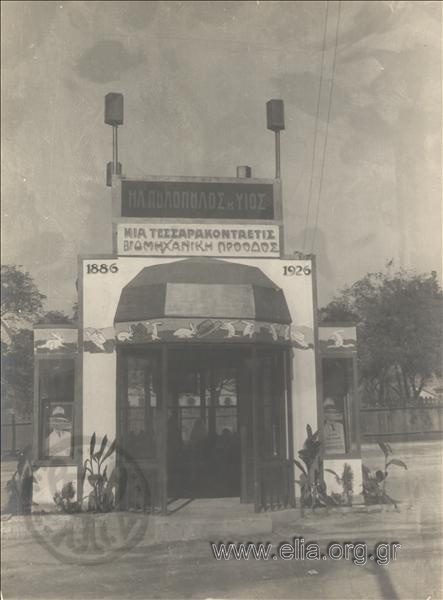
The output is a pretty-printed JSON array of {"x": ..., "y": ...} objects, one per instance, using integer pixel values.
[
  {"x": 314, "y": 146},
  {"x": 322, "y": 172}
]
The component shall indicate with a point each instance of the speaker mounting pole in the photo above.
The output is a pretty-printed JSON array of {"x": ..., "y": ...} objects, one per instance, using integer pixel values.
[
  {"x": 276, "y": 122},
  {"x": 113, "y": 117}
]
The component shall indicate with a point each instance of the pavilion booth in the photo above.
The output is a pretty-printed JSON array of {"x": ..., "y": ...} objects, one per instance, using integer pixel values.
[
  {"x": 197, "y": 349},
  {"x": 206, "y": 371}
]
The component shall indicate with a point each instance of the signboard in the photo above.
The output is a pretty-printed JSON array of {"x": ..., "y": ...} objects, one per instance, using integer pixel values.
[
  {"x": 164, "y": 239},
  {"x": 238, "y": 200},
  {"x": 337, "y": 338},
  {"x": 55, "y": 338}
]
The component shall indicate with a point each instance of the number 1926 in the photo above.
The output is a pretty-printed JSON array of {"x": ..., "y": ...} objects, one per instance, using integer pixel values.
[{"x": 291, "y": 270}]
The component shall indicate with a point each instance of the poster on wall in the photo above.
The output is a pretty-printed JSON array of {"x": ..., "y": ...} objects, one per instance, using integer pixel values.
[
  {"x": 334, "y": 428},
  {"x": 58, "y": 419}
]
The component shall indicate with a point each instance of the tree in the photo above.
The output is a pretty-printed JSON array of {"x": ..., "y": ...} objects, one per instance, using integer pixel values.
[
  {"x": 17, "y": 381},
  {"x": 400, "y": 330},
  {"x": 21, "y": 307},
  {"x": 20, "y": 297},
  {"x": 55, "y": 317}
]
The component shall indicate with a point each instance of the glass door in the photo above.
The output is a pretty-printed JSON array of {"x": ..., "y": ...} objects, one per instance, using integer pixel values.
[
  {"x": 272, "y": 430},
  {"x": 140, "y": 427},
  {"x": 203, "y": 431}
]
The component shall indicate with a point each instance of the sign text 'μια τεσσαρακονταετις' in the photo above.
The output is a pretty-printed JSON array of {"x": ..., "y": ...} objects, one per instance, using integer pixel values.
[{"x": 198, "y": 240}]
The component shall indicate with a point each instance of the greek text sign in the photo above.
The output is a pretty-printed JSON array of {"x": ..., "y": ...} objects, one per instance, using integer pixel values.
[
  {"x": 162, "y": 239},
  {"x": 197, "y": 200}
]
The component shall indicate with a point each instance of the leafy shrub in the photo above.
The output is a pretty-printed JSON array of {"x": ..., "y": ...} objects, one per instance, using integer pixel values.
[
  {"x": 347, "y": 483},
  {"x": 64, "y": 500},
  {"x": 374, "y": 482},
  {"x": 102, "y": 497},
  {"x": 312, "y": 487},
  {"x": 19, "y": 487}
]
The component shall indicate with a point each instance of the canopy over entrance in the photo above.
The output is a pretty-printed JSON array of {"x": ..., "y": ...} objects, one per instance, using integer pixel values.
[{"x": 205, "y": 299}]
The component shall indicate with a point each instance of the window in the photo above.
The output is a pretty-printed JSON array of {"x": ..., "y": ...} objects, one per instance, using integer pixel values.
[
  {"x": 56, "y": 385},
  {"x": 140, "y": 405},
  {"x": 338, "y": 406}
]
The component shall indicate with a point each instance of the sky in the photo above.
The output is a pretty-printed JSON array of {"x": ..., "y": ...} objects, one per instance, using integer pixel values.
[{"x": 361, "y": 173}]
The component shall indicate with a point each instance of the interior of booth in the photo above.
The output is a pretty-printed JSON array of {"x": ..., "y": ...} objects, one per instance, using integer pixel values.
[{"x": 196, "y": 438}]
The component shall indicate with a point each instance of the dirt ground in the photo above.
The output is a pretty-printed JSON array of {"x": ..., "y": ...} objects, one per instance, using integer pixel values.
[{"x": 189, "y": 570}]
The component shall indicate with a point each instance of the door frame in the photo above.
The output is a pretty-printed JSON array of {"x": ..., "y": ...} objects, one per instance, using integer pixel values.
[
  {"x": 152, "y": 470},
  {"x": 160, "y": 463},
  {"x": 206, "y": 359}
]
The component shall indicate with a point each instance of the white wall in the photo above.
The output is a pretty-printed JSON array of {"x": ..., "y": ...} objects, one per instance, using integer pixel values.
[
  {"x": 101, "y": 294},
  {"x": 304, "y": 396},
  {"x": 99, "y": 395}
]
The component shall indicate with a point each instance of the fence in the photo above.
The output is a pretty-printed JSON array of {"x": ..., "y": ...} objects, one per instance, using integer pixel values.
[
  {"x": 394, "y": 423},
  {"x": 15, "y": 435},
  {"x": 402, "y": 423}
]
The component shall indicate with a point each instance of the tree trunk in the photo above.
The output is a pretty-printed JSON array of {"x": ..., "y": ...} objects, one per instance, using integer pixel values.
[
  {"x": 417, "y": 390},
  {"x": 381, "y": 389},
  {"x": 407, "y": 395},
  {"x": 402, "y": 392}
]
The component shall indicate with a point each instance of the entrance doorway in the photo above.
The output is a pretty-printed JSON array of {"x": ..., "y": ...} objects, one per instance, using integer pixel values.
[
  {"x": 205, "y": 421},
  {"x": 205, "y": 393}
]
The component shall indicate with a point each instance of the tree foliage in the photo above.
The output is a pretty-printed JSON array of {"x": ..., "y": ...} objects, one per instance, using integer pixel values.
[
  {"x": 399, "y": 320},
  {"x": 21, "y": 306},
  {"x": 55, "y": 317},
  {"x": 17, "y": 382},
  {"x": 19, "y": 294}
]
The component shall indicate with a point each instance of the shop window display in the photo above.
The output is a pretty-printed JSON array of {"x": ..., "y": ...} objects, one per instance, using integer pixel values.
[
  {"x": 56, "y": 395},
  {"x": 338, "y": 405}
]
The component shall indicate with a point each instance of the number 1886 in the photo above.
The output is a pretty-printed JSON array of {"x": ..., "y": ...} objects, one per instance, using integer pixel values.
[{"x": 103, "y": 268}]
